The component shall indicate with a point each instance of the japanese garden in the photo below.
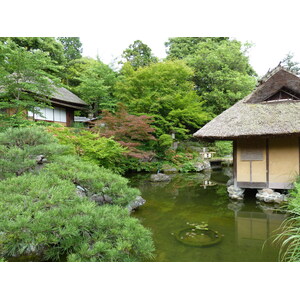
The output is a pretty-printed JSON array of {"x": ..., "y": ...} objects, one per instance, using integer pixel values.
[{"x": 190, "y": 158}]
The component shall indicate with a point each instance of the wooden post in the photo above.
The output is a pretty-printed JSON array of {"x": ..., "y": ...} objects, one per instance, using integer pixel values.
[
  {"x": 267, "y": 163},
  {"x": 235, "y": 162}
]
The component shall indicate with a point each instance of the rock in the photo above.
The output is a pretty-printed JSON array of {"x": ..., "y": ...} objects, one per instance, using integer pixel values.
[
  {"x": 160, "y": 177},
  {"x": 139, "y": 201},
  {"x": 270, "y": 196},
  {"x": 230, "y": 182},
  {"x": 203, "y": 165},
  {"x": 80, "y": 191},
  {"x": 235, "y": 193},
  {"x": 101, "y": 199},
  {"x": 40, "y": 159}
]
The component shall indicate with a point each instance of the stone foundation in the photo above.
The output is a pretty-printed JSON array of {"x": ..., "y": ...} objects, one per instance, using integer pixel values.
[
  {"x": 235, "y": 193},
  {"x": 270, "y": 196}
]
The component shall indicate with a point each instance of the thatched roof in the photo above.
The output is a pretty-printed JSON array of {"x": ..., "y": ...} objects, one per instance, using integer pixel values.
[
  {"x": 273, "y": 108},
  {"x": 67, "y": 98}
]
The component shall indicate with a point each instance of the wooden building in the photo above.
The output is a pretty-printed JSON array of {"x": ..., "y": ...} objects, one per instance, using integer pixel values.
[
  {"x": 63, "y": 103},
  {"x": 265, "y": 130}
]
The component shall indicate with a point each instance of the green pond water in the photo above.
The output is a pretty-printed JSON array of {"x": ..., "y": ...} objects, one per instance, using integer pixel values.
[{"x": 247, "y": 229}]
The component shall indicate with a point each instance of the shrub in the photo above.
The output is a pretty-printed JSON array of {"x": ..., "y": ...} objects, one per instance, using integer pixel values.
[
  {"x": 43, "y": 214},
  {"x": 223, "y": 148},
  {"x": 90, "y": 147},
  {"x": 20, "y": 146},
  {"x": 93, "y": 178},
  {"x": 289, "y": 237},
  {"x": 128, "y": 130},
  {"x": 165, "y": 141}
]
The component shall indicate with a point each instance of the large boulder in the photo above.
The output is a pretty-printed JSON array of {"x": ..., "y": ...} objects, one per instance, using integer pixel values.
[
  {"x": 202, "y": 165},
  {"x": 235, "y": 193},
  {"x": 139, "y": 201},
  {"x": 160, "y": 177},
  {"x": 270, "y": 196},
  {"x": 101, "y": 199}
]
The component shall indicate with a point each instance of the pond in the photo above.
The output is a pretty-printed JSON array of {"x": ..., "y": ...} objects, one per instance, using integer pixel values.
[{"x": 246, "y": 229}]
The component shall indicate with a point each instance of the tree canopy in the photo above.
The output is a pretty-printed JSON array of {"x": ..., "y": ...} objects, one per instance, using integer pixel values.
[
  {"x": 72, "y": 47},
  {"x": 222, "y": 75},
  {"x": 45, "y": 44},
  {"x": 139, "y": 54},
  {"x": 24, "y": 77},
  {"x": 165, "y": 91},
  {"x": 96, "y": 86},
  {"x": 181, "y": 47}
]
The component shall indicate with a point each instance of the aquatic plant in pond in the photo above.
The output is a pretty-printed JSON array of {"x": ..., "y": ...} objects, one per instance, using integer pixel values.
[{"x": 198, "y": 235}]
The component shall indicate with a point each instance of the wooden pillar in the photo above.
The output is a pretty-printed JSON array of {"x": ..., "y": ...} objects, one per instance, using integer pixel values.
[
  {"x": 70, "y": 117},
  {"x": 267, "y": 164},
  {"x": 235, "y": 163}
]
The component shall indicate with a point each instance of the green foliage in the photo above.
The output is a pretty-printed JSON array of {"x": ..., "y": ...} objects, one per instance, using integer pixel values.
[
  {"x": 222, "y": 73},
  {"x": 91, "y": 147},
  {"x": 20, "y": 146},
  {"x": 48, "y": 45},
  {"x": 97, "y": 180},
  {"x": 181, "y": 47},
  {"x": 291, "y": 65},
  {"x": 96, "y": 87},
  {"x": 222, "y": 148},
  {"x": 289, "y": 236},
  {"x": 165, "y": 141},
  {"x": 139, "y": 55},
  {"x": 43, "y": 217},
  {"x": 23, "y": 76},
  {"x": 164, "y": 91},
  {"x": 72, "y": 47},
  {"x": 75, "y": 68},
  {"x": 42, "y": 214}
]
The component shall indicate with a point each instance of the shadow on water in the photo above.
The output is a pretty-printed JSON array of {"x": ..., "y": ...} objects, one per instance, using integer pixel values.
[{"x": 247, "y": 227}]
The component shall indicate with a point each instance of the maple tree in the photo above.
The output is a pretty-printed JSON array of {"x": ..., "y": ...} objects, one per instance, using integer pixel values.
[{"x": 128, "y": 130}]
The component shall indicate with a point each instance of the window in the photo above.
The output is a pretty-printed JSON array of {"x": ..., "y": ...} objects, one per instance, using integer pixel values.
[{"x": 56, "y": 114}]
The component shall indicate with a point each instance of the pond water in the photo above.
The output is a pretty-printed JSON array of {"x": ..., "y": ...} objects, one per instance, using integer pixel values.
[{"x": 247, "y": 228}]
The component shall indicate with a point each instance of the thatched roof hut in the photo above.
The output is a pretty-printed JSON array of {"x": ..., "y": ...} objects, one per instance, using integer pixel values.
[
  {"x": 265, "y": 128},
  {"x": 271, "y": 109}
]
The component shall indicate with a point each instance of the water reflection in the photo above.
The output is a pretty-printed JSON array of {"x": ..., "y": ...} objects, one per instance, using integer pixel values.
[
  {"x": 247, "y": 226},
  {"x": 252, "y": 227}
]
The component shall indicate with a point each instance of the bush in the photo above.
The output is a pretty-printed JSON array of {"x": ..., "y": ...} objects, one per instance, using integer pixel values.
[
  {"x": 20, "y": 146},
  {"x": 93, "y": 178},
  {"x": 289, "y": 237},
  {"x": 43, "y": 214},
  {"x": 223, "y": 148},
  {"x": 90, "y": 147}
]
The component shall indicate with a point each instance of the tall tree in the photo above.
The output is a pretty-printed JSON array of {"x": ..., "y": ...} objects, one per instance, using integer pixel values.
[
  {"x": 96, "y": 87},
  {"x": 139, "y": 54},
  {"x": 223, "y": 74},
  {"x": 72, "y": 47},
  {"x": 290, "y": 64},
  {"x": 128, "y": 130},
  {"x": 181, "y": 47},
  {"x": 45, "y": 44},
  {"x": 24, "y": 79},
  {"x": 163, "y": 90}
]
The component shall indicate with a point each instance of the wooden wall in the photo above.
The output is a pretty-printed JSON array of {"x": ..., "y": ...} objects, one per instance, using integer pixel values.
[{"x": 272, "y": 162}]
